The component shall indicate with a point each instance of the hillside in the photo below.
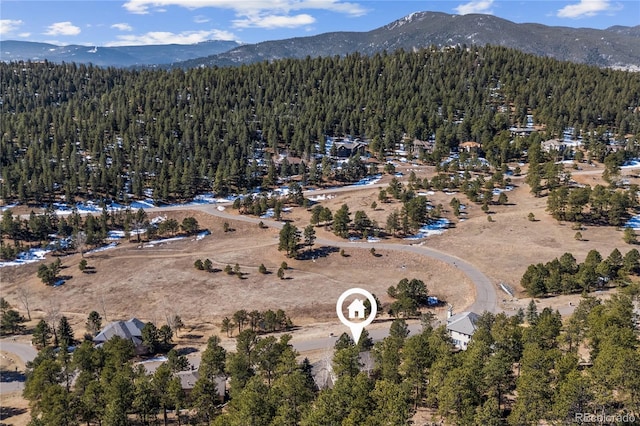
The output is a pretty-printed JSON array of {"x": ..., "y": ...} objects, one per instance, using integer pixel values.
[
  {"x": 78, "y": 131},
  {"x": 122, "y": 56},
  {"x": 614, "y": 47}
]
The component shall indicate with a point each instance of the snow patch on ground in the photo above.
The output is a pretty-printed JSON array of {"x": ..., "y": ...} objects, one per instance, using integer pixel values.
[
  {"x": 103, "y": 248},
  {"x": 115, "y": 235},
  {"x": 8, "y": 206},
  {"x": 161, "y": 358},
  {"x": 142, "y": 204},
  {"x": 322, "y": 197},
  {"x": 202, "y": 234},
  {"x": 29, "y": 256},
  {"x": 631, "y": 163},
  {"x": 497, "y": 191},
  {"x": 369, "y": 180},
  {"x": 162, "y": 241},
  {"x": 270, "y": 213},
  {"x": 634, "y": 223},
  {"x": 435, "y": 228}
]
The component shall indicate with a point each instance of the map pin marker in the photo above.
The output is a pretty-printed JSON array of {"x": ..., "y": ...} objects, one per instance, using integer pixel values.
[{"x": 356, "y": 311}]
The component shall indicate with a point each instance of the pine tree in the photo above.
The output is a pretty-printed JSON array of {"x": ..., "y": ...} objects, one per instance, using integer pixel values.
[{"x": 65, "y": 333}]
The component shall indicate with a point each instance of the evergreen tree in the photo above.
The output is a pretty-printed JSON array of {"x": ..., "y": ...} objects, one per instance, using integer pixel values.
[
  {"x": 289, "y": 239},
  {"x": 41, "y": 334},
  {"x": 65, "y": 333}
]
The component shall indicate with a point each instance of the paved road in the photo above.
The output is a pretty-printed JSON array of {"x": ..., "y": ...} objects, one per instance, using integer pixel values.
[
  {"x": 485, "y": 300},
  {"x": 486, "y": 297},
  {"x": 11, "y": 381}
]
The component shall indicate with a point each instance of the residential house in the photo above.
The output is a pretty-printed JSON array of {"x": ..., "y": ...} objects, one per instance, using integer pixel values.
[
  {"x": 294, "y": 164},
  {"x": 470, "y": 146},
  {"x": 356, "y": 309},
  {"x": 129, "y": 330},
  {"x": 325, "y": 378},
  {"x": 553, "y": 145},
  {"x": 461, "y": 327},
  {"x": 188, "y": 380},
  {"x": 521, "y": 131},
  {"x": 419, "y": 147},
  {"x": 349, "y": 148}
]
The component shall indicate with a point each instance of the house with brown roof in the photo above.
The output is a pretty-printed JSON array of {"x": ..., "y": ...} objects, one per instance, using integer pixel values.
[
  {"x": 470, "y": 146},
  {"x": 419, "y": 147}
]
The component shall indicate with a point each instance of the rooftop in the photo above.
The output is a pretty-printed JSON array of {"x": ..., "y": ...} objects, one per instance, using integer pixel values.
[{"x": 463, "y": 323}]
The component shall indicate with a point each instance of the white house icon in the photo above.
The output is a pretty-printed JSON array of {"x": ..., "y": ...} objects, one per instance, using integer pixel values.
[{"x": 356, "y": 309}]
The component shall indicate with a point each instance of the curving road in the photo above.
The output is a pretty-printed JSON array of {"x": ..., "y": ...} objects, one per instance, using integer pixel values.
[
  {"x": 15, "y": 381},
  {"x": 486, "y": 297}
]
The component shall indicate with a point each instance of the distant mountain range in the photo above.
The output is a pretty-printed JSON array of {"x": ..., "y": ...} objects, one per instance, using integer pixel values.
[
  {"x": 617, "y": 46},
  {"x": 121, "y": 56}
]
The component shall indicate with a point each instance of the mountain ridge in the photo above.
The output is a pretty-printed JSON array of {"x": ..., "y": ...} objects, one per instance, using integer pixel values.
[
  {"x": 616, "y": 47},
  {"x": 119, "y": 56}
]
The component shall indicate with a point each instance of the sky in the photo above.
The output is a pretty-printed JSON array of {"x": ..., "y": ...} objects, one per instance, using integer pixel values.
[{"x": 143, "y": 22}]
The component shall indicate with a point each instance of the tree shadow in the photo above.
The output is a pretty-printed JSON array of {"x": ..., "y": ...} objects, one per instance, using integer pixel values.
[
  {"x": 11, "y": 376},
  {"x": 187, "y": 350},
  {"x": 191, "y": 336},
  {"x": 315, "y": 253},
  {"x": 8, "y": 412}
]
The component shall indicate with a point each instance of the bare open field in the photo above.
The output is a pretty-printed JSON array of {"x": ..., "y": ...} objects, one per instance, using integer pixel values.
[{"x": 153, "y": 282}]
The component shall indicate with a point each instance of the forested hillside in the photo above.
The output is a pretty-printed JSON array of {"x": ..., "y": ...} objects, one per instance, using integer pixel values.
[{"x": 82, "y": 131}]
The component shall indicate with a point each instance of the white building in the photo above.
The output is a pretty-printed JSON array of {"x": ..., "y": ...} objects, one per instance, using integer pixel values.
[{"x": 461, "y": 327}]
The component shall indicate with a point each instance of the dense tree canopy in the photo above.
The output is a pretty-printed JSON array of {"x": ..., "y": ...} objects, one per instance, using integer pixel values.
[{"x": 79, "y": 130}]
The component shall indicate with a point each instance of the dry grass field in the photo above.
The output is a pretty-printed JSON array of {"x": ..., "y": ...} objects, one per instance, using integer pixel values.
[{"x": 152, "y": 283}]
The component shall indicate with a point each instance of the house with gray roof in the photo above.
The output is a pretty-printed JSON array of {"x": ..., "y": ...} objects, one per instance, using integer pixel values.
[
  {"x": 461, "y": 327},
  {"x": 189, "y": 378},
  {"x": 129, "y": 330},
  {"x": 348, "y": 148}
]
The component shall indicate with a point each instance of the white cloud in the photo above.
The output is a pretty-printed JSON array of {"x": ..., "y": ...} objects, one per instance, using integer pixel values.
[
  {"x": 62, "y": 28},
  {"x": 8, "y": 26},
  {"x": 586, "y": 8},
  {"x": 143, "y": 6},
  {"x": 274, "y": 21},
  {"x": 259, "y": 13},
  {"x": 200, "y": 19},
  {"x": 475, "y": 6},
  {"x": 24, "y": 35},
  {"x": 122, "y": 26},
  {"x": 166, "y": 37}
]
